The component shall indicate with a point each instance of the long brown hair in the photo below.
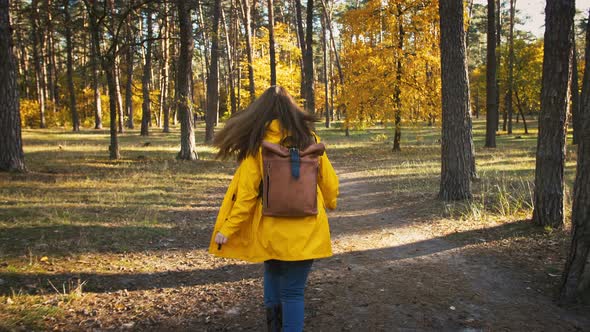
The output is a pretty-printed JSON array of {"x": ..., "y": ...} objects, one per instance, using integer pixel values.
[{"x": 244, "y": 131}]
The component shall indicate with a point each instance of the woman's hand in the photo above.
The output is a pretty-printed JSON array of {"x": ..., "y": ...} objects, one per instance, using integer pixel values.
[{"x": 220, "y": 238}]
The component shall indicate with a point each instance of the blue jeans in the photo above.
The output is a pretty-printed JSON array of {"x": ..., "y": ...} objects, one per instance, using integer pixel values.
[{"x": 284, "y": 284}]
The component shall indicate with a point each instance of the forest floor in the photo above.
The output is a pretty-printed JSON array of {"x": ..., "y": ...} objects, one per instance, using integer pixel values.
[{"x": 92, "y": 244}]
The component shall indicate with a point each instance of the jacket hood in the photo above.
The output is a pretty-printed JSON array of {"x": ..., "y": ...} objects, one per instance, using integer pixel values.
[{"x": 273, "y": 131}]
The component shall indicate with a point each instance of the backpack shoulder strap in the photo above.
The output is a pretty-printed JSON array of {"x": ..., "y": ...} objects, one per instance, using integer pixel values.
[{"x": 260, "y": 163}]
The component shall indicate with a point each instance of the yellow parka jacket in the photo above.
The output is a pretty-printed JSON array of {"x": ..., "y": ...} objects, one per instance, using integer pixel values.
[{"x": 255, "y": 238}]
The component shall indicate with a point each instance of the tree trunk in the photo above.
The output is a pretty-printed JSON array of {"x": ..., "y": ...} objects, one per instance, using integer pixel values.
[
  {"x": 397, "y": 90},
  {"x": 11, "y": 147},
  {"x": 584, "y": 104},
  {"x": 213, "y": 79},
  {"x": 70, "y": 69},
  {"x": 22, "y": 57},
  {"x": 301, "y": 41},
  {"x": 116, "y": 67},
  {"x": 509, "y": 108},
  {"x": 95, "y": 42},
  {"x": 109, "y": 68},
  {"x": 519, "y": 105},
  {"x": 308, "y": 61},
  {"x": 188, "y": 149},
  {"x": 576, "y": 276},
  {"x": 491, "y": 79},
  {"x": 325, "y": 72},
  {"x": 575, "y": 93},
  {"x": 51, "y": 64},
  {"x": 172, "y": 66},
  {"x": 107, "y": 61},
  {"x": 456, "y": 131},
  {"x": 332, "y": 85},
  {"x": 147, "y": 79},
  {"x": 575, "y": 282},
  {"x": 271, "y": 43},
  {"x": 505, "y": 113},
  {"x": 333, "y": 42},
  {"x": 229, "y": 52},
  {"x": 164, "y": 94},
  {"x": 549, "y": 171},
  {"x": 247, "y": 27},
  {"x": 498, "y": 57},
  {"x": 204, "y": 37},
  {"x": 119, "y": 96},
  {"x": 129, "y": 83},
  {"x": 37, "y": 62}
]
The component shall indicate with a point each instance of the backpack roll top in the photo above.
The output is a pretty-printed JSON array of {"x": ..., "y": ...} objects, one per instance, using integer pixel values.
[{"x": 290, "y": 180}]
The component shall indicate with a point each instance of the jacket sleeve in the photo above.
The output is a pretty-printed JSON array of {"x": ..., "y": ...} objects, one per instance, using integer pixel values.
[
  {"x": 247, "y": 196},
  {"x": 328, "y": 182}
]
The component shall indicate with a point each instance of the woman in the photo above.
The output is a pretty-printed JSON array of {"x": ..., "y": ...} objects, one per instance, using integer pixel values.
[{"x": 286, "y": 245}]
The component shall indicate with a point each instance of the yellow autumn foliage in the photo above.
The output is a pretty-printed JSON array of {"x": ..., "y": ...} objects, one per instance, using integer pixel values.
[
  {"x": 288, "y": 57},
  {"x": 391, "y": 62}
]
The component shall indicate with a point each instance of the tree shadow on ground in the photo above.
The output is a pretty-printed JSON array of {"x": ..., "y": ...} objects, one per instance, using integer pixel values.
[
  {"x": 65, "y": 240},
  {"x": 101, "y": 282}
]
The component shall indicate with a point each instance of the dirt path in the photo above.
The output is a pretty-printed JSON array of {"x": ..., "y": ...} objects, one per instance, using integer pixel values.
[
  {"x": 389, "y": 273},
  {"x": 393, "y": 269}
]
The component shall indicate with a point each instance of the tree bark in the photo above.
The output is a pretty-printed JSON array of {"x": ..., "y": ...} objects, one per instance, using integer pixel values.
[
  {"x": 325, "y": 72},
  {"x": 129, "y": 83},
  {"x": 549, "y": 171},
  {"x": 107, "y": 61},
  {"x": 119, "y": 96},
  {"x": 70, "y": 69},
  {"x": 333, "y": 42},
  {"x": 247, "y": 15},
  {"x": 576, "y": 276},
  {"x": 301, "y": 41},
  {"x": 52, "y": 78},
  {"x": 188, "y": 149},
  {"x": 491, "y": 79},
  {"x": 109, "y": 69},
  {"x": 165, "y": 96},
  {"x": 116, "y": 68},
  {"x": 173, "y": 50},
  {"x": 498, "y": 57},
  {"x": 213, "y": 79},
  {"x": 308, "y": 61},
  {"x": 94, "y": 48},
  {"x": 228, "y": 31},
  {"x": 35, "y": 36},
  {"x": 11, "y": 147},
  {"x": 147, "y": 79},
  {"x": 584, "y": 104},
  {"x": 519, "y": 105},
  {"x": 456, "y": 130},
  {"x": 509, "y": 103},
  {"x": 575, "y": 282},
  {"x": 575, "y": 93},
  {"x": 397, "y": 90},
  {"x": 271, "y": 43}
]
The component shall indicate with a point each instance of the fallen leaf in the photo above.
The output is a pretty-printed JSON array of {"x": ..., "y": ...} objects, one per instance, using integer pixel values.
[{"x": 128, "y": 325}]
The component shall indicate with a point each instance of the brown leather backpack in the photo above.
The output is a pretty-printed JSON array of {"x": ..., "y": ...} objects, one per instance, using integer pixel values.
[{"x": 289, "y": 180}]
